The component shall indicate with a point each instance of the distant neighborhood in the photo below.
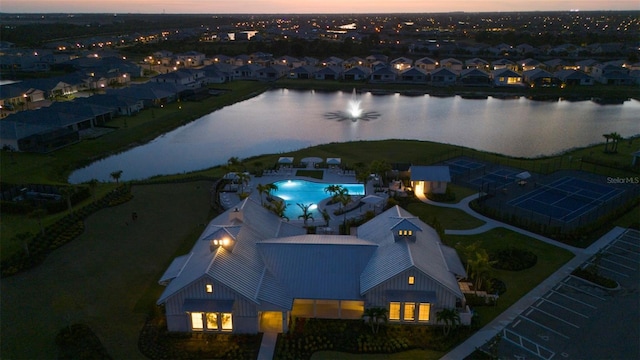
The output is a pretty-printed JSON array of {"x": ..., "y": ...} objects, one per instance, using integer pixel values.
[{"x": 37, "y": 115}]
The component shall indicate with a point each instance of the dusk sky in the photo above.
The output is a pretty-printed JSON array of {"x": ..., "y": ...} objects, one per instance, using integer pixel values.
[{"x": 298, "y": 6}]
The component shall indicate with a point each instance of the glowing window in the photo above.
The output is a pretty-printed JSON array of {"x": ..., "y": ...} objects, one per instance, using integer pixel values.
[
  {"x": 209, "y": 288},
  {"x": 412, "y": 280},
  {"x": 423, "y": 311},
  {"x": 226, "y": 321},
  {"x": 409, "y": 311},
  {"x": 394, "y": 311},
  {"x": 212, "y": 321},
  {"x": 196, "y": 321}
]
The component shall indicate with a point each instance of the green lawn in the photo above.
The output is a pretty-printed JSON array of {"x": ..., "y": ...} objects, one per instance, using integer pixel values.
[
  {"x": 550, "y": 258},
  {"x": 107, "y": 277},
  {"x": 448, "y": 217},
  {"x": 405, "y": 355}
]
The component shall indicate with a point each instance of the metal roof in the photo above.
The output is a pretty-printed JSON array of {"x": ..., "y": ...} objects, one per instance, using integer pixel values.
[{"x": 430, "y": 173}]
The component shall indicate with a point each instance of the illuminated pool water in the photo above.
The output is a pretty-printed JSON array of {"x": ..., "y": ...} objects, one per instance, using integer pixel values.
[{"x": 305, "y": 192}]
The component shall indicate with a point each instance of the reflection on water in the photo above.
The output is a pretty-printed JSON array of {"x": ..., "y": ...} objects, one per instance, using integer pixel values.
[{"x": 284, "y": 120}]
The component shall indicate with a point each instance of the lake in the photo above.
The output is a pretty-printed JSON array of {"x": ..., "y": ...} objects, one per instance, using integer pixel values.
[{"x": 284, "y": 120}]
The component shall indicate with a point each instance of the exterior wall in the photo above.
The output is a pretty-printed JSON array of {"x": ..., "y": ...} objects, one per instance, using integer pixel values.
[
  {"x": 435, "y": 187},
  {"x": 445, "y": 299},
  {"x": 245, "y": 313}
]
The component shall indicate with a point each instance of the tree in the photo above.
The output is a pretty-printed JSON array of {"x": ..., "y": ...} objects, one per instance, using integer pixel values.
[
  {"x": 116, "y": 176},
  {"x": 380, "y": 168},
  {"x": 10, "y": 150},
  {"x": 306, "y": 213},
  {"x": 243, "y": 179},
  {"x": 93, "y": 185},
  {"x": 467, "y": 252},
  {"x": 374, "y": 317},
  {"x": 278, "y": 208},
  {"x": 262, "y": 189},
  {"x": 326, "y": 217},
  {"x": 606, "y": 144},
  {"x": 67, "y": 193},
  {"x": 615, "y": 137},
  {"x": 480, "y": 267},
  {"x": 234, "y": 164},
  {"x": 449, "y": 317}
]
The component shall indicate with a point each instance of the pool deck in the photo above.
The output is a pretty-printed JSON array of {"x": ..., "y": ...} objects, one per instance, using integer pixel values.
[{"x": 330, "y": 176}]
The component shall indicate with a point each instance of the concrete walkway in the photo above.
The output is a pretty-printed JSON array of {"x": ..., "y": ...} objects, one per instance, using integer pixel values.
[
  {"x": 268, "y": 346},
  {"x": 492, "y": 329}
]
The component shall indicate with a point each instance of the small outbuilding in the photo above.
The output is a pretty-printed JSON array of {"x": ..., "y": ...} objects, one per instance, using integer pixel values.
[{"x": 432, "y": 179}]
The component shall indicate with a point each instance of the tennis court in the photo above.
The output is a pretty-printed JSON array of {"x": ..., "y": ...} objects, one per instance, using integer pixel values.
[
  {"x": 496, "y": 179},
  {"x": 566, "y": 198},
  {"x": 463, "y": 166}
]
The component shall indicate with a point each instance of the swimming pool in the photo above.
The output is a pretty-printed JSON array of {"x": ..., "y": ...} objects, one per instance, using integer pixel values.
[{"x": 295, "y": 192}]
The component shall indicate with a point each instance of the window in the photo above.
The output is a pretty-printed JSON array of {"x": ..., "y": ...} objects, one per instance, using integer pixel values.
[
  {"x": 209, "y": 288},
  {"x": 405, "y": 232},
  {"x": 394, "y": 311},
  {"x": 196, "y": 321},
  {"x": 226, "y": 321},
  {"x": 409, "y": 311},
  {"x": 423, "y": 311},
  {"x": 412, "y": 280},
  {"x": 212, "y": 321}
]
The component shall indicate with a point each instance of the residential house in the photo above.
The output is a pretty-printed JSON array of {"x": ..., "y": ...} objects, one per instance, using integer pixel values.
[
  {"x": 574, "y": 78},
  {"x": 402, "y": 63},
  {"x": 288, "y": 61},
  {"x": 332, "y": 61},
  {"x": 353, "y": 62},
  {"x": 477, "y": 63},
  {"x": 475, "y": 77},
  {"x": 503, "y": 64},
  {"x": 524, "y": 49},
  {"x": 540, "y": 78},
  {"x": 249, "y": 267},
  {"x": 500, "y": 50},
  {"x": 529, "y": 64},
  {"x": 611, "y": 75},
  {"x": 356, "y": 73},
  {"x": 554, "y": 65},
  {"x": 190, "y": 58},
  {"x": 303, "y": 72},
  {"x": 272, "y": 73},
  {"x": 328, "y": 73},
  {"x": 384, "y": 74},
  {"x": 452, "y": 64},
  {"x": 506, "y": 77},
  {"x": 122, "y": 105},
  {"x": 431, "y": 179},
  {"x": 427, "y": 64},
  {"x": 443, "y": 77},
  {"x": 586, "y": 65},
  {"x": 246, "y": 72},
  {"x": 414, "y": 75},
  {"x": 377, "y": 57},
  {"x": 183, "y": 76}
]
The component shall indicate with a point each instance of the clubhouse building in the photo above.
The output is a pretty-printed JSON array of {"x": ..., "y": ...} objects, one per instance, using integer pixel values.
[{"x": 250, "y": 271}]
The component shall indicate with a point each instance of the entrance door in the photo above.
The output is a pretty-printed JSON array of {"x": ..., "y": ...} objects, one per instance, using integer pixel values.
[{"x": 271, "y": 322}]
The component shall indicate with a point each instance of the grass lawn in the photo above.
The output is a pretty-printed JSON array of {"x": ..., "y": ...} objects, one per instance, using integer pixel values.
[
  {"x": 405, "y": 355},
  {"x": 107, "y": 277},
  {"x": 518, "y": 283},
  {"x": 448, "y": 217}
]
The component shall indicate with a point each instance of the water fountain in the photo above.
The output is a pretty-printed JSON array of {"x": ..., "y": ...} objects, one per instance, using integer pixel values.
[{"x": 354, "y": 112}]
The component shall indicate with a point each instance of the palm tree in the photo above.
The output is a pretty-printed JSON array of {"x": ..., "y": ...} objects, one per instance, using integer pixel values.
[
  {"x": 332, "y": 189},
  {"x": 481, "y": 268},
  {"x": 326, "y": 217},
  {"x": 467, "y": 252},
  {"x": 615, "y": 137},
  {"x": 243, "y": 178},
  {"x": 380, "y": 168},
  {"x": 262, "y": 189},
  {"x": 606, "y": 145},
  {"x": 234, "y": 164},
  {"x": 278, "y": 208},
  {"x": 271, "y": 187},
  {"x": 116, "y": 176},
  {"x": 375, "y": 316},
  {"x": 449, "y": 317},
  {"x": 306, "y": 213}
]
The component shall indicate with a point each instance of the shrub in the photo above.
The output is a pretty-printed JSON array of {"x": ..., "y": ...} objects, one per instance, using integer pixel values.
[{"x": 513, "y": 259}]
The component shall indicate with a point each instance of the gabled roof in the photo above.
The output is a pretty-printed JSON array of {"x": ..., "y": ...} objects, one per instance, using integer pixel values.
[
  {"x": 443, "y": 72},
  {"x": 426, "y": 61},
  {"x": 473, "y": 72},
  {"x": 569, "y": 74},
  {"x": 430, "y": 173},
  {"x": 393, "y": 257},
  {"x": 505, "y": 73}
]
